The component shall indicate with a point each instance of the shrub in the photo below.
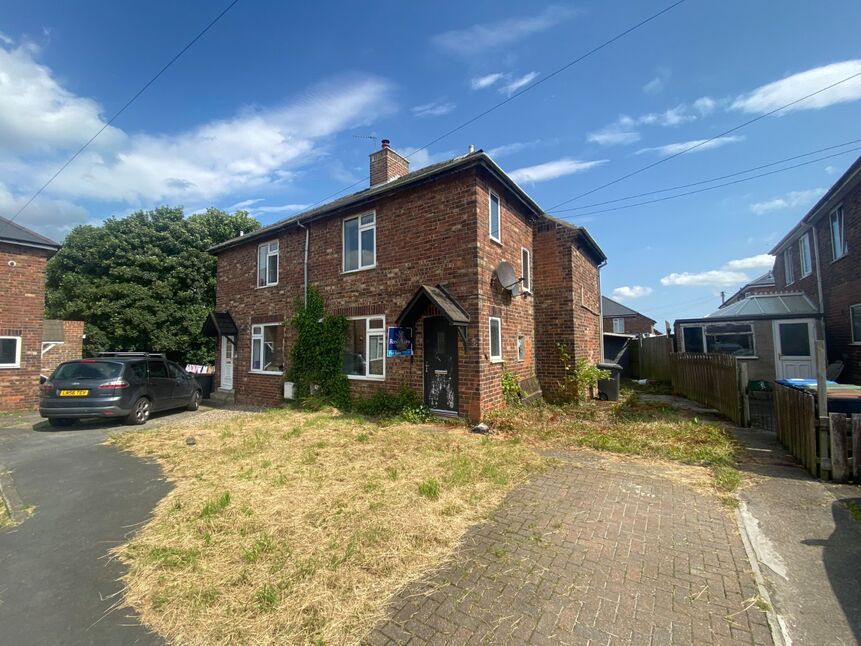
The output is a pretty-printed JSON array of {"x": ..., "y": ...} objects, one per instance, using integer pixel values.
[
  {"x": 405, "y": 404},
  {"x": 512, "y": 393},
  {"x": 579, "y": 378}
]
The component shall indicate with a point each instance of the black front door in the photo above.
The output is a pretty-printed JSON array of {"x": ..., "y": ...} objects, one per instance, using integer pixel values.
[{"x": 440, "y": 357}]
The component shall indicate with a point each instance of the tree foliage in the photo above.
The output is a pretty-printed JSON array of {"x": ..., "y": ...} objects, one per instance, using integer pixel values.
[{"x": 143, "y": 282}]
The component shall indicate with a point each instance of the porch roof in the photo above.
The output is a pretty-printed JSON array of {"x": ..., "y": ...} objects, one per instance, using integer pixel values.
[
  {"x": 438, "y": 296},
  {"x": 219, "y": 324}
]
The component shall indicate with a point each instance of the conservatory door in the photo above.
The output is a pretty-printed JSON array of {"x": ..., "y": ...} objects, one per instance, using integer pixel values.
[{"x": 794, "y": 349}]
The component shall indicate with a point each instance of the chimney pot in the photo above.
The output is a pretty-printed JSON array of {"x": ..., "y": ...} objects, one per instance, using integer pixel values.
[{"x": 386, "y": 164}]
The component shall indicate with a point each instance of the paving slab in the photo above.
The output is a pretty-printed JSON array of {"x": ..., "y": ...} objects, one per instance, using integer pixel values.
[{"x": 596, "y": 550}]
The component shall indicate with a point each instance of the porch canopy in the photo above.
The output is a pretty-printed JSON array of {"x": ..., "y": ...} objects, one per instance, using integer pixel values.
[
  {"x": 220, "y": 324},
  {"x": 439, "y": 297}
]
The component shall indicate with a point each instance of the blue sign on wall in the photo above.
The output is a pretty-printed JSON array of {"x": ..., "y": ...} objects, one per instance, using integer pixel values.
[{"x": 400, "y": 342}]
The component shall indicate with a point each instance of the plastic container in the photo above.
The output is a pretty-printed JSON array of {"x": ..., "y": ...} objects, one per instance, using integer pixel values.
[{"x": 608, "y": 389}]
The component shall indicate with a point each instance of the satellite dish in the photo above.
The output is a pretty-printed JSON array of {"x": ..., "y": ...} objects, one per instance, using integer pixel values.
[{"x": 508, "y": 280}]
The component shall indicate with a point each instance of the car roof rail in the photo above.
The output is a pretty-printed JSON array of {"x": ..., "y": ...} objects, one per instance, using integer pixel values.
[{"x": 142, "y": 355}]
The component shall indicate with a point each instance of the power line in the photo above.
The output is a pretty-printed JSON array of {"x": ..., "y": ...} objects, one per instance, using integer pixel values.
[
  {"x": 703, "y": 190},
  {"x": 123, "y": 109},
  {"x": 517, "y": 94},
  {"x": 705, "y": 141},
  {"x": 709, "y": 181}
]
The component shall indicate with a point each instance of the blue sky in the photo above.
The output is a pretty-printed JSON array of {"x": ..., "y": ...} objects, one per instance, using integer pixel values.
[{"x": 267, "y": 110}]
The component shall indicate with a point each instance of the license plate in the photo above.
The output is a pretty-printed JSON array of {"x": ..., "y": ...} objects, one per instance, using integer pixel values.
[{"x": 74, "y": 393}]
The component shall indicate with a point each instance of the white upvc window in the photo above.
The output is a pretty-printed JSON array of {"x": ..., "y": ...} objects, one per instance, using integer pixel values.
[
  {"x": 266, "y": 357},
  {"x": 365, "y": 352},
  {"x": 838, "y": 237},
  {"x": 855, "y": 323},
  {"x": 618, "y": 326},
  {"x": 521, "y": 347},
  {"x": 804, "y": 256},
  {"x": 10, "y": 351},
  {"x": 267, "y": 264},
  {"x": 495, "y": 218},
  {"x": 360, "y": 242},
  {"x": 526, "y": 262},
  {"x": 788, "y": 272},
  {"x": 495, "y": 325}
]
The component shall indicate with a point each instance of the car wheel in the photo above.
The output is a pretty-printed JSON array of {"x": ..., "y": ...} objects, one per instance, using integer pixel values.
[
  {"x": 140, "y": 412},
  {"x": 60, "y": 421},
  {"x": 194, "y": 404}
]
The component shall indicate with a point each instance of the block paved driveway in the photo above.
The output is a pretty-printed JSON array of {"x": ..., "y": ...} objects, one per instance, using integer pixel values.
[{"x": 598, "y": 550}]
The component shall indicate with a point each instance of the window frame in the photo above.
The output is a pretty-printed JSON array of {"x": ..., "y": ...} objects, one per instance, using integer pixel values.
[
  {"x": 844, "y": 251},
  {"x": 852, "y": 309},
  {"x": 804, "y": 252},
  {"x": 383, "y": 332},
  {"x": 360, "y": 228},
  {"x": 494, "y": 358},
  {"x": 490, "y": 197},
  {"x": 269, "y": 253},
  {"x": 788, "y": 269},
  {"x": 521, "y": 347},
  {"x": 526, "y": 270},
  {"x": 620, "y": 320},
  {"x": 18, "y": 344},
  {"x": 705, "y": 343},
  {"x": 261, "y": 337}
]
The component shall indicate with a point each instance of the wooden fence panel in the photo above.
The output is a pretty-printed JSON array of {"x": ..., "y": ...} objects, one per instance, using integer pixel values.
[
  {"x": 856, "y": 448},
  {"x": 839, "y": 447},
  {"x": 654, "y": 358},
  {"x": 711, "y": 379},
  {"x": 795, "y": 424}
]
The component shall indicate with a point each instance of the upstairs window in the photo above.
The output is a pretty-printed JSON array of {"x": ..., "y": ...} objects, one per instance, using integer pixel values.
[
  {"x": 789, "y": 276},
  {"x": 526, "y": 261},
  {"x": 360, "y": 242},
  {"x": 804, "y": 256},
  {"x": 265, "y": 348},
  {"x": 10, "y": 351},
  {"x": 495, "y": 218},
  {"x": 618, "y": 326},
  {"x": 365, "y": 353},
  {"x": 267, "y": 264},
  {"x": 838, "y": 239}
]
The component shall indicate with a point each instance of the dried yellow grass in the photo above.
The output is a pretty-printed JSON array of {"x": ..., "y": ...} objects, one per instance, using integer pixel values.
[{"x": 298, "y": 527}]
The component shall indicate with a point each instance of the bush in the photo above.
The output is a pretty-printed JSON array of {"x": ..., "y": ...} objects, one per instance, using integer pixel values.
[
  {"x": 406, "y": 404},
  {"x": 512, "y": 393},
  {"x": 579, "y": 378}
]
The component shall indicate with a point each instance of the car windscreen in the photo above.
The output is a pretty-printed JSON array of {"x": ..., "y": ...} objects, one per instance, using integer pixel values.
[{"x": 89, "y": 370}]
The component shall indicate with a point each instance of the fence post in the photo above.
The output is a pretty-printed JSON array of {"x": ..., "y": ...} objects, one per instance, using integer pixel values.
[
  {"x": 839, "y": 459},
  {"x": 822, "y": 413},
  {"x": 745, "y": 398},
  {"x": 856, "y": 448}
]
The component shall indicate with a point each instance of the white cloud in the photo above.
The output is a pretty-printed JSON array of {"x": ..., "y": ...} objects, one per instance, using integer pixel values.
[
  {"x": 713, "y": 278},
  {"x": 774, "y": 95},
  {"x": 481, "y": 82},
  {"x": 5, "y": 39},
  {"x": 791, "y": 200},
  {"x": 762, "y": 261},
  {"x": 433, "y": 109},
  {"x": 613, "y": 135},
  {"x": 552, "y": 170},
  {"x": 635, "y": 291},
  {"x": 421, "y": 158},
  {"x": 515, "y": 84},
  {"x": 705, "y": 105},
  {"x": 244, "y": 204},
  {"x": 41, "y": 122},
  {"x": 657, "y": 84},
  {"x": 831, "y": 169},
  {"x": 482, "y": 37},
  {"x": 50, "y": 217},
  {"x": 284, "y": 208},
  {"x": 510, "y": 149},
  {"x": 703, "y": 145}
]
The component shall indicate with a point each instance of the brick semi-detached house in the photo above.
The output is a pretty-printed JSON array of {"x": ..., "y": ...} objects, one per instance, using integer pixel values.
[
  {"x": 455, "y": 254},
  {"x": 23, "y": 255},
  {"x": 621, "y": 319},
  {"x": 821, "y": 257}
]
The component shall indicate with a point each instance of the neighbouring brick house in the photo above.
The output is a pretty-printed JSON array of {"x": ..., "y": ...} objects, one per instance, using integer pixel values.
[
  {"x": 23, "y": 255},
  {"x": 61, "y": 341},
  {"x": 762, "y": 285},
  {"x": 821, "y": 257},
  {"x": 425, "y": 252},
  {"x": 620, "y": 319}
]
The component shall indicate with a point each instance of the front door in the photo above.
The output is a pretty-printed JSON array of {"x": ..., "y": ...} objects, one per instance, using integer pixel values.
[
  {"x": 440, "y": 363},
  {"x": 793, "y": 347},
  {"x": 227, "y": 351}
]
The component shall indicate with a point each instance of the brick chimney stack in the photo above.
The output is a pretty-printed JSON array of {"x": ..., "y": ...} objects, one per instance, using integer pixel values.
[{"x": 386, "y": 164}]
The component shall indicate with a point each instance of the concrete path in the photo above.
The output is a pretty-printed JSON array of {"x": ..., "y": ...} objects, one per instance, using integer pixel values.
[
  {"x": 807, "y": 543},
  {"x": 57, "y": 585},
  {"x": 599, "y": 550}
]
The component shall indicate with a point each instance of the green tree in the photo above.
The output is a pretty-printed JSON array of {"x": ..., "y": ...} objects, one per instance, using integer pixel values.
[{"x": 143, "y": 282}]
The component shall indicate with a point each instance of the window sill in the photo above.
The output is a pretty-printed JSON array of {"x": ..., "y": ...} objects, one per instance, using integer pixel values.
[
  {"x": 840, "y": 258},
  {"x": 355, "y": 271},
  {"x": 368, "y": 378},
  {"x": 497, "y": 360},
  {"x": 497, "y": 241},
  {"x": 266, "y": 286},
  {"x": 272, "y": 373},
  {"x": 9, "y": 366}
]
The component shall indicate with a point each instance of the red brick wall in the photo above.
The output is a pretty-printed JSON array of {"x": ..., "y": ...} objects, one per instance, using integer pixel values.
[
  {"x": 71, "y": 348},
  {"x": 633, "y": 324},
  {"x": 22, "y": 309}
]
